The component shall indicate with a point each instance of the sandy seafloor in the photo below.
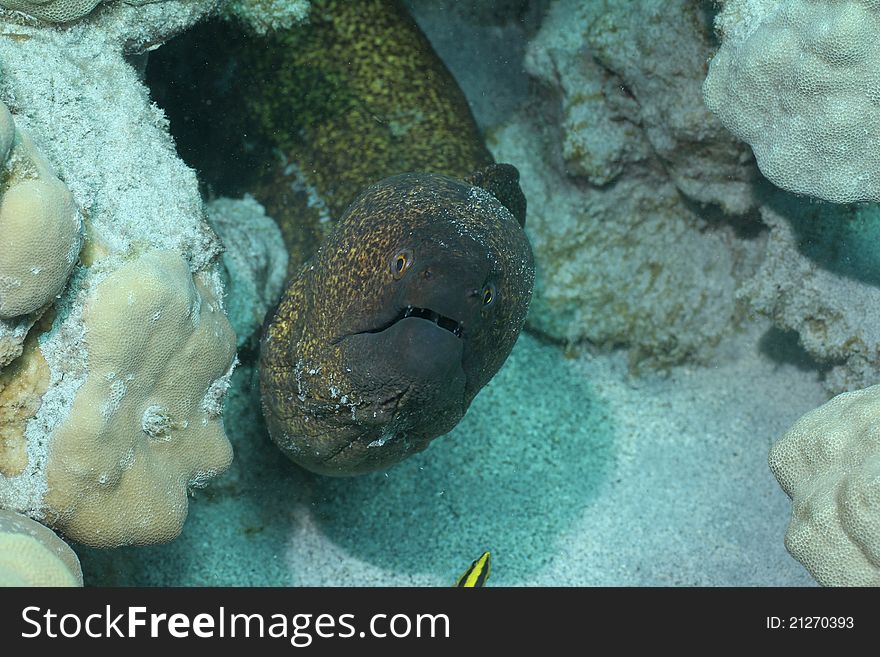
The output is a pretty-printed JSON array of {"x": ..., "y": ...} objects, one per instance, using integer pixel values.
[{"x": 570, "y": 470}]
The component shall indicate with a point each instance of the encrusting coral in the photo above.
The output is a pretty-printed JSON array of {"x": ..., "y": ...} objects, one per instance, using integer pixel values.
[
  {"x": 828, "y": 463},
  {"x": 113, "y": 410},
  {"x": 41, "y": 228},
  {"x": 32, "y": 555},
  {"x": 145, "y": 426},
  {"x": 797, "y": 80}
]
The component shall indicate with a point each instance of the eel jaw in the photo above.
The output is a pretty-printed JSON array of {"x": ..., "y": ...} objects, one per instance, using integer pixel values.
[{"x": 447, "y": 323}]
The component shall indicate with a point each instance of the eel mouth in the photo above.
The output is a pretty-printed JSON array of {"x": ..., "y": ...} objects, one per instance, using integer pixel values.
[{"x": 447, "y": 323}]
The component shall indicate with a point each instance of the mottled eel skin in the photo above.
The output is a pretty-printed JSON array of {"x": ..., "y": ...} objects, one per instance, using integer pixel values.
[
  {"x": 401, "y": 307},
  {"x": 383, "y": 339}
]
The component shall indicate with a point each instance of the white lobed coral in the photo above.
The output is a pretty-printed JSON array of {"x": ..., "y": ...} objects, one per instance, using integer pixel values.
[
  {"x": 32, "y": 555},
  {"x": 40, "y": 226},
  {"x": 797, "y": 80},
  {"x": 41, "y": 242},
  {"x": 75, "y": 94},
  {"x": 144, "y": 426},
  {"x": 829, "y": 465}
]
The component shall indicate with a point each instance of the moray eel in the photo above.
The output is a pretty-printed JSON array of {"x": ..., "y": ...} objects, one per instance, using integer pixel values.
[
  {"x": 383, "y": 339},
  {"x": 407, "y": 290}
]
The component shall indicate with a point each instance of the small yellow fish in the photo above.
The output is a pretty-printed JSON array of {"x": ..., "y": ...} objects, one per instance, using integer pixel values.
[{"x": 477, "y": 574}]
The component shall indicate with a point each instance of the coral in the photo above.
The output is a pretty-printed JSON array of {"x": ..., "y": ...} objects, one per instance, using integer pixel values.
[
  {"x": 40, "y": 227},
  {"x": 797, "y": 80},
  {"x": 62, "y": 11},
  {"x": 42, "y": 238},
  {"x": 22, "y": 386},
  {"x": 145, "y": 425},
  {"x": 53, "y": 11},
  {"x": 623, "y": 267},
  {"x": 819, "y": 277},
  {"x": 254, "y": 259},
  {"x": 829, "y": 464},
  {"x": 266, "y": 15},
  {"x": 624, "y": 257},
  {"x": 32, "y": 555},
  {"x": 12, "y": 336},
  {"x": 76, "y": 96}
]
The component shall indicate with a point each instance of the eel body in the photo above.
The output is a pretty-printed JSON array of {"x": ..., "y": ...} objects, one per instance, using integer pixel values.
[
  {"x": 410, "y": 273},
  {"x": 382, "y": 340}
]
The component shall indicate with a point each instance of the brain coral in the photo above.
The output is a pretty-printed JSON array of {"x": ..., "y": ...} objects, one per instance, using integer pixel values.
[
  {"x": 145, "y": 426},
  {"x": 32, "y": 555},
  {"x": 798, "y": 80},
  {"x": 39, "y": 224},
  {"x": 829, "y": 464}
]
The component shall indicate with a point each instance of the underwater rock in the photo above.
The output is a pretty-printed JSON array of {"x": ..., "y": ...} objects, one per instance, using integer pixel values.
[
  {"x": 82, "y": 104},
  {"x": 797, "y": 80},
  {"x": 627, "y": 252},
  {"x": 828, "y": 464},
  {"x": 12, "y": 336},
  {"x": 628, "y": 77},
  {"x": 819, "y": 277},
  {"x": 264, "y": 16},
  {"x": 22, "y": 386},
  {"x": 627, "y": 266},
  {"x": 254, "y": 261},
  {"x": 381, "y": 342}
]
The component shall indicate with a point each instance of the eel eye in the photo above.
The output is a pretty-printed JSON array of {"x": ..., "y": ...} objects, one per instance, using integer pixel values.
[
  {"x": 401, "y": 262},
  {"x": 488, "y": 295}
]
